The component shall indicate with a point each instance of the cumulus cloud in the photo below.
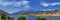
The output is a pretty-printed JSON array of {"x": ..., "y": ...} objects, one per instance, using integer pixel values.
[
  {"x": 25, "y": 2},
  {"x": 49, "y": 4},
  {"x": 7, "y": 3},
  {"x": 45, "y": 4},
  {"x": 17, "y": 4},
  {"x": 53, "y": 4}
]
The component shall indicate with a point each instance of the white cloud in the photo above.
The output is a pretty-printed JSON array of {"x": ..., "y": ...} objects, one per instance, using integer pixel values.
[
  {"x": 17, "y": 4},
  {"x": 24, "y": 2},
  {"x": 53, "y": 4},
  {"x": 49, "y": 4},
  {"x": 7, "y": 4},
  {"x": 21, "y": 3},
  {"x": 45, "y": 4}
]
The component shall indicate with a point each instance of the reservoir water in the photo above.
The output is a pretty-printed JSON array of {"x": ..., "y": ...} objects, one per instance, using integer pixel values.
[{"x": 34, "y": 17}]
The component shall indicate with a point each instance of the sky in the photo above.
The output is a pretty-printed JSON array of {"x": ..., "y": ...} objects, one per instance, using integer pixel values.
[{"x": 12, "y": 6}]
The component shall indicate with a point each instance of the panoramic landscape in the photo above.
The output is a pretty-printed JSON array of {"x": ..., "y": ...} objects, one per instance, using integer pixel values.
[
  {"x": 29, "y": 9},
  {"x": 35, "y": 15}
]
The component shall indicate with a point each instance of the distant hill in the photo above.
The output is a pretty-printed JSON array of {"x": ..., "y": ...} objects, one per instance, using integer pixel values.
[
  {"x": 34, "y": 12},
  {"x": 21, "y": 12},
  {"x": 3, "y": 12}
]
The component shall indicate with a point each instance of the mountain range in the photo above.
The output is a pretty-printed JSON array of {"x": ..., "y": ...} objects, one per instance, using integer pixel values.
[
  {"x": 28, "y": 12},
  {"x": 3, "y": 12},
  {"x": 32, "y": 11}
]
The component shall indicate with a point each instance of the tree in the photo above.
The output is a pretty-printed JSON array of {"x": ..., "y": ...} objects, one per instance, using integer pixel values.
[
  {"x": 3, "y": 17},
  {"x": 22, "y": 18},
  {"x": 10, "y": 18},
  {"x": 39, "y": 18}
]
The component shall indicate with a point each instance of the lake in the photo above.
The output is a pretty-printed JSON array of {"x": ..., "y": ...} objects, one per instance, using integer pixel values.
[{"x": 34, "y": 17}]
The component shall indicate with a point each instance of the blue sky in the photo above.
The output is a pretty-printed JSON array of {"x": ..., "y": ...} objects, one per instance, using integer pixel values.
[{"x": 12, "y": 6}]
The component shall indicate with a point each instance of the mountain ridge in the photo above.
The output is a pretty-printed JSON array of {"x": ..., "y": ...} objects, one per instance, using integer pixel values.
[{"x": 26, "y": 12}]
